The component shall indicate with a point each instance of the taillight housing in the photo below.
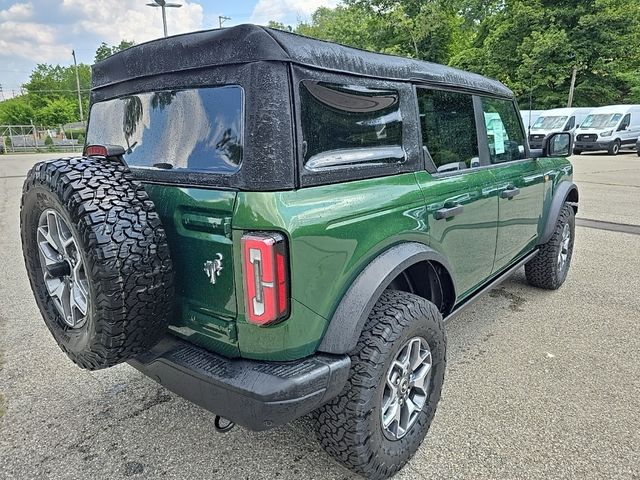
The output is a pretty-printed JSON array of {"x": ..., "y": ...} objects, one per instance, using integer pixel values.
[{"x": 265, "y": 269}]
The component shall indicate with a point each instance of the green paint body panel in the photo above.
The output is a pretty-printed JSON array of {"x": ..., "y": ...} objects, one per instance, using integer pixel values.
[
  {"x": 198, "y": 226},
  {"x": 467, "y": 240},
  {"x": 333, "y": 233}
]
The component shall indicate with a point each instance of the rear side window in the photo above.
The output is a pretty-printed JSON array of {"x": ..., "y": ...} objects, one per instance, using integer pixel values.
[
  {"x": 347, "y": 126},
  {"x": 504, "y": 132},
  {"x": 448, "y": 128},
  {"x": 196, "y": 129}
]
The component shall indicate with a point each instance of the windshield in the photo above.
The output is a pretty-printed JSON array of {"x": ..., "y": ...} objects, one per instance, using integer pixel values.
[
  {"x": 601, "y": 120},
  {"x": 196, "y": 129},
  {"x": 549, "y": 123}
]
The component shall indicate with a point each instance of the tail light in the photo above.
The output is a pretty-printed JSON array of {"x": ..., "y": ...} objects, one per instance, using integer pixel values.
[{"x": 265, "y": 266}]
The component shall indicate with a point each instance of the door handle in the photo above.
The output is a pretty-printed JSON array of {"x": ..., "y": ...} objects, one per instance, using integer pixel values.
[
  {"x": 509, "y": 193},
  {"x": 449, "y": 212}
]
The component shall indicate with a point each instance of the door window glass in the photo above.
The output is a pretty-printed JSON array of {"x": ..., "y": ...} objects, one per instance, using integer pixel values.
[
  {"x": 504, "y": 132},
  {"x": 626, "y": 121},
  {"x": 448, "y": 128},
  {"x": 570, "y": 124}
]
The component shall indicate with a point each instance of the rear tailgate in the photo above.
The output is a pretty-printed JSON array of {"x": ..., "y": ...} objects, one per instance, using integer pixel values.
[
  {"x": 173, "y": 136},
  {"x": 198, "y": 225}
]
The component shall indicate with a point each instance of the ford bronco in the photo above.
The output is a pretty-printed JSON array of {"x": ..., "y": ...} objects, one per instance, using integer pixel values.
[{"x": 271, "y": 226}]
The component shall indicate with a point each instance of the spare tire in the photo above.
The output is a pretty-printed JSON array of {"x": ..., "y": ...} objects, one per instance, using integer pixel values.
[{"x": 97, "y": 259}]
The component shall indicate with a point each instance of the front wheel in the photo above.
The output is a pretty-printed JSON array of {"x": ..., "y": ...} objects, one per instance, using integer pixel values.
[
  {"x": 549, "y": 268},
  {"x": 614, "y": 149},
  {"x": 577, "y": 151},
  {"x": 397, "y": 370}
]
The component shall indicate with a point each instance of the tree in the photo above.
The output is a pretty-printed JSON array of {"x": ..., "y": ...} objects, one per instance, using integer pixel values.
[
  {"x": 535, "y": 45},
  {"x": 105, "y": 50},
  {"x": 16, "y": 111},
  {"x": 51, "y": 82},
  {"x": 530, "y": 45},
  {"x": 57, "y": 112}
]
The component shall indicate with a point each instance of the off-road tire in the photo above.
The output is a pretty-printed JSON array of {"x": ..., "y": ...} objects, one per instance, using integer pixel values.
[
  {"x": 124, "y": 249},
  {"x": 542, "y": 270},
  {"x": 349, "y": 427},
  {"x": 614, "y": 149}
]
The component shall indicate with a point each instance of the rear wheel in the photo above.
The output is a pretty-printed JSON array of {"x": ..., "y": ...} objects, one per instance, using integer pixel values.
[
  {"x": 378, "y": 422},
  {"x": 97, "y": 259},
  {"x": 614, "y": 149},
  {"x": 550, "y": 267}
]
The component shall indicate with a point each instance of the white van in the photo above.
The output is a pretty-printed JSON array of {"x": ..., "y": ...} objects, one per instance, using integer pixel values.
[
  {"x": 608, "y": 128},
  {"x": 529, "y": 117},
  {"x": 555, "y": 120}
]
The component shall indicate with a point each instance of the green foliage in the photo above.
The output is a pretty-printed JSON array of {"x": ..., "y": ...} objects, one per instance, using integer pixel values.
[
  {"x": 279, "y": 26},
  {"x": 48, "y": 141},
  {"x": 16, "y": 111},
  {"x": 105, "y": 50},
  {"x": 57, "y": 112},
  {"x": 527, "y": 44},
  {"x": 7, "y": 141},
  {"x": 81, "y": 139}
]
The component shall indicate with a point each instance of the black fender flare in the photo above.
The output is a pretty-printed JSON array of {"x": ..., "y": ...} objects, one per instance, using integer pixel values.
[
  {"x": 352, "y": 312},
  {"x": 563, "y": 190}
]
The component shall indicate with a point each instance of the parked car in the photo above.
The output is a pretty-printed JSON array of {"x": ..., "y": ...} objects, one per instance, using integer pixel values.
[
  {"x": 609, "y": 128},
  {"x": 260, "y": 222},
  {"x": 556, "y": 120},
  {"x": 529, "y": 117},
  {"x": 638, "y": 147},
  {"x": 2, "y": 149}
]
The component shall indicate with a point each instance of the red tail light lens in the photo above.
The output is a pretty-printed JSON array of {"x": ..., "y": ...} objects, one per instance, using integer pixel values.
[
  {"x": 95, "y": 151},
  {"x": 266, "y": 278}
]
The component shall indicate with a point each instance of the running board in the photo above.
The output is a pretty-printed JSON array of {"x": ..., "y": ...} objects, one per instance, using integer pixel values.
[{"x": 492, "y": 284}]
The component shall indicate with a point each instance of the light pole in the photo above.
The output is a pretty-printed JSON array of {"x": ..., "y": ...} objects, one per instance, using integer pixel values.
[
  {"x": 73, "y": 52},
  {"x": 164, "y": 5}
]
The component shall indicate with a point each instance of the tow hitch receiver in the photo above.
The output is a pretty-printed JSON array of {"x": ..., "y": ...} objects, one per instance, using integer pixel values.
[{"x": 222, "y": 425}]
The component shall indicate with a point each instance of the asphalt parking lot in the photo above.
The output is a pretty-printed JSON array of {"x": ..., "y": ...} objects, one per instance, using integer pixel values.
[{"x": 539, "y": 384}]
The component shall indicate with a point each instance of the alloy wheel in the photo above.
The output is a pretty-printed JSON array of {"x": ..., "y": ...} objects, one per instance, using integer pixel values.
[
  {"x": 63, "y": 268},
  {"x": 406, "y": 388}
]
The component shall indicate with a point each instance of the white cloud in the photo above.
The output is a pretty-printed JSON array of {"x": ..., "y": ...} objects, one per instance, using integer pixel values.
[
  {"x": 29, "y": 40},
  {"x": 278, "y": 10},
  {"x": 17, "y": 12},
  {"x": 45, "y": 31},
  {"x": 114, "y": 20}
]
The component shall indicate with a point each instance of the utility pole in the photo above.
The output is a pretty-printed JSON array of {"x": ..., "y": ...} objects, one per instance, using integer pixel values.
[
  {"x": 573, "y": 85},
  {"x": 222, "y": 19},
  {"x": 1, "y": 92},
  {"x": 164, "y": 5},
  {"x": 73, "y": 52}
]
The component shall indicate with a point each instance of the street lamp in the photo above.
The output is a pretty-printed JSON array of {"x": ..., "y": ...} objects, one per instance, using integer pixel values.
[{"x": 164, "y": 5}]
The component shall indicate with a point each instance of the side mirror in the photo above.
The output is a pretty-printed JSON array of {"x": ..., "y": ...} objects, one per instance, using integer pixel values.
[
  {"x": 622, "y": 128},
  {"x": 558, "y": 145}
]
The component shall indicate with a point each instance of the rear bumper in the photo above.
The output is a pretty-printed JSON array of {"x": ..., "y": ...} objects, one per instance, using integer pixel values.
[{"x": 255, "y": 394}]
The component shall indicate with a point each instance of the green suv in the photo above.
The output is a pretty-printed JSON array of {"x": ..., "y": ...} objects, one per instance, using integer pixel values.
[{"x": 271, "y": 226}]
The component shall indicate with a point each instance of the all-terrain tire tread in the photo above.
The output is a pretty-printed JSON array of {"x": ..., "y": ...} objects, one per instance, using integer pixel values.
[
  {"x": 339, "y": 423},
  {"x": 127, "y": 254},
  {"x": 541, "y": 270}
]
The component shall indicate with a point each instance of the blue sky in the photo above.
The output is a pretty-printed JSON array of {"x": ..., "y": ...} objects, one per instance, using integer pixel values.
[{"x": 45, "y": 31}]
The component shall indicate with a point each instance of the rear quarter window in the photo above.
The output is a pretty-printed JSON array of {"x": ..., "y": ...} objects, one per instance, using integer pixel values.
[
  {"x": 346, "y": 126},
  {"x": 193, "y": 129}
]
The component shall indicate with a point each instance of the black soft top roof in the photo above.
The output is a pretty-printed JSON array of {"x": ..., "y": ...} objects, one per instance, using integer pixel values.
[{"x": 252, "y": 43}]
